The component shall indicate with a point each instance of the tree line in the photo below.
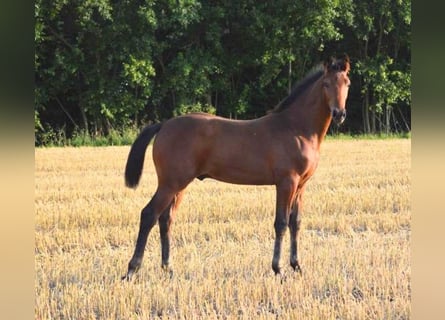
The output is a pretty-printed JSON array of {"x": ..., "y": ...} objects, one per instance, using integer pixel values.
[{"x": 108, "y": 64}]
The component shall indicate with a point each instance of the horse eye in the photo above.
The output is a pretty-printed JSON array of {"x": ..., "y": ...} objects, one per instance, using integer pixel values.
[{"x": 325, "y": 85}]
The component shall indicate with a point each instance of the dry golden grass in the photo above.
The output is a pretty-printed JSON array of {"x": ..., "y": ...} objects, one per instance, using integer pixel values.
[{"x": 354, "y": 246}]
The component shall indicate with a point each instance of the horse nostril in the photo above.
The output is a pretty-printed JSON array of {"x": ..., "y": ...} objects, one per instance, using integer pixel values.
[
  {"x": 338, "y": 115},
  {"x": 335, "y": 113}
]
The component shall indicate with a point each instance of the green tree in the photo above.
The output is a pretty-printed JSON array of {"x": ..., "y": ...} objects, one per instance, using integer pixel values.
[
  {"x": 109, "y": 63},
  {"x": 381, "y": 32},
  {"x": 93, "y": 61}
]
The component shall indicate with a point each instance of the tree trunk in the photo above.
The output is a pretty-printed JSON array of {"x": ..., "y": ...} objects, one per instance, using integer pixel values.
[
  {"x": 216, "y": 102},
  {"x": 84, "y": 117},
  {"x": 365, "y": 112},
  {"x": 366, "y": 109},
  {"x": 387, "y": 119},
  {"x": 373, "y": 121},
  {"x": 209, "y": 98},
  {"x": 290, "y": 77},
  {"x": 80, "y": 103},
  {"x": 404, "y": 120}
]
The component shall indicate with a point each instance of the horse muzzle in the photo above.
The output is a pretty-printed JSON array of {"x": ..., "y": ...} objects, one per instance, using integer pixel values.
[{"x": 338, "y": 116}]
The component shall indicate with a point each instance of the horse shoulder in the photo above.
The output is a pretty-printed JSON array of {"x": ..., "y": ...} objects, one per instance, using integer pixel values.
[{"x": 308, "y": 156}]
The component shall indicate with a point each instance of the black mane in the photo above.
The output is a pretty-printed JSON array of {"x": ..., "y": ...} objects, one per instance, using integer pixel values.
[{"x": 299, "y": 88}]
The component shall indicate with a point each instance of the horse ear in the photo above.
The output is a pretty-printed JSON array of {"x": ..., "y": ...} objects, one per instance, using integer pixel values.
[
  {"x": 329, "y": 64},
  {"x": 337, "y": 64}
]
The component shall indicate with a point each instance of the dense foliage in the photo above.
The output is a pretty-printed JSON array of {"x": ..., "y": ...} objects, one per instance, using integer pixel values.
[{"x": 107, "y": 64}]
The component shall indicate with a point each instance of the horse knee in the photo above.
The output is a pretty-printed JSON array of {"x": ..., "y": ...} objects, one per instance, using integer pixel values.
[
  {"x": 295, "y": 221},
  {"x": 280, "y": 227},
  {"x": 298, "y": 223}
]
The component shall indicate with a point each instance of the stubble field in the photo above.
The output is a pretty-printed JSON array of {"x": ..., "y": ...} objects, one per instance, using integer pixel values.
[{"x": 354, "y": 245}]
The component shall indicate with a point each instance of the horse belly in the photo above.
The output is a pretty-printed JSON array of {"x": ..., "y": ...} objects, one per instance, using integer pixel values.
[
  {"x": 202, "y": 146},
  {"x": 239, "y": 166}
]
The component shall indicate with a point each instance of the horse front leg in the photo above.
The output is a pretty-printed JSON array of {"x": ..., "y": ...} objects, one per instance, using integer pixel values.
[
  {"x": 294, "y": 228},
  {"x": 285, "y": 195}
]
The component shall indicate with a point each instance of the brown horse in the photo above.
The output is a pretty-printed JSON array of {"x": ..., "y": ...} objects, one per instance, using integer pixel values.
[{"x": 280, "y": 148}]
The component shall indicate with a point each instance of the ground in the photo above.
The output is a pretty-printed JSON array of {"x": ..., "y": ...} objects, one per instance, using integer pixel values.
[{"x": 354, "y": 245}]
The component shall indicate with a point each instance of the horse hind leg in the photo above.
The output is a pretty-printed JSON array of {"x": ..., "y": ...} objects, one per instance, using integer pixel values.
[
  {"x": 149, "y": 217},
  {"x": 165, "y": 221}
]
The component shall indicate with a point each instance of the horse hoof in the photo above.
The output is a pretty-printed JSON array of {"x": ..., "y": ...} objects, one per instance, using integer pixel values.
[
  {"x": 297, "y": 269},
  {"x": 128, "y": 276},
  {"x": 276, "y": 269},
  {"x": 278, "y": 273},
  {"x": 168, "y": 271},
  {"x": 282, "y": 277}
]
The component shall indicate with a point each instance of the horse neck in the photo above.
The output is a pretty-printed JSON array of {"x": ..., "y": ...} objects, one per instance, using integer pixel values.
[{"x": 309, "y": 115}]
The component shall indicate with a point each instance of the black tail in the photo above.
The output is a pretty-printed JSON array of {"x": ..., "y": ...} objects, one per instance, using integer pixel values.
[{"x": 135, "y": 161}]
